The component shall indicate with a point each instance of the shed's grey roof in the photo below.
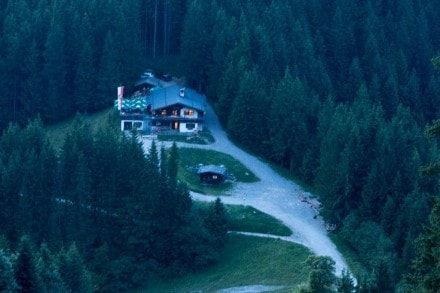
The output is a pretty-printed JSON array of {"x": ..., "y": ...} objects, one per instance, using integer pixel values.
[
  {"x": 167, "y": 96},
  {"x": 212, "y": 169}
]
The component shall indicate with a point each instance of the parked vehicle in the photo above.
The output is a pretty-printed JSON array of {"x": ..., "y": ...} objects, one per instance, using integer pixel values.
[{"x": 147, "y": 74}]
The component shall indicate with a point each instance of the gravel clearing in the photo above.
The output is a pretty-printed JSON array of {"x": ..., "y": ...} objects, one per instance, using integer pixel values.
[{"x": 273, "y": 194}]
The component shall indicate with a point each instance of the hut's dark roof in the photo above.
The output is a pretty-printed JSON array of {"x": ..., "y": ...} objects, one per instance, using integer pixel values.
[
  {"x": 164, "y": 97},
  {"x": 212, "y": 169}
]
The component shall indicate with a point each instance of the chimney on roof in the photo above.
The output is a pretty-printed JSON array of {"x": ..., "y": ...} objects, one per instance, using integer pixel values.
[{"x": 182, "y": 92}]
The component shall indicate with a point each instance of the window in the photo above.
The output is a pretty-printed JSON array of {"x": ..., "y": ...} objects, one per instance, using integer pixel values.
[
  {"x": 137, "y": 125},
  {"x": 189, "y": 113},
  {"x": 190, "y": 126},
  {"x": 214, "y": 177},
  {"x": 164, "y": 112},
  {"x": 175, "y": 112}
]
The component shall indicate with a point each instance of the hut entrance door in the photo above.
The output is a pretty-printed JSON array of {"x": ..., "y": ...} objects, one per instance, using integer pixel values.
[{"x": 175, "y": 125}]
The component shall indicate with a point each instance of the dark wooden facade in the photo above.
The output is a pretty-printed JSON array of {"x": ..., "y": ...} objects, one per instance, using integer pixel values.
[{"x": 212, "y": 174}]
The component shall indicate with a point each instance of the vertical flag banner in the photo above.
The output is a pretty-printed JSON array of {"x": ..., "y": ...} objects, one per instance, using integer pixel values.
[{"x": 120, "y": 97}]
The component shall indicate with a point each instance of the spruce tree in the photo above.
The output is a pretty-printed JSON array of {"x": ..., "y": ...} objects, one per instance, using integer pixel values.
[
  {"x": 58, "y": 100},
  {"x": 85, "y": 80},
  {"x": 425, "y": 270},
  {"x": 173, "y": 164},
  {"x": 197, "y": 43},
  {"x": 48, "y": 271},
  {"x": 345, "y": 283},
  {"x": 73, "y": 271},
  {"x": 26, "y": 273},
  {"x": 216, "y": 222},
  {"x": 7, "y": 279},
  {"x": 108, "y": 75},
  {"x": 322, "y": 274}
]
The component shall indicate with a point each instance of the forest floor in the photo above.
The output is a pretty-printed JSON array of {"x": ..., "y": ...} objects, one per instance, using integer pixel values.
[{"x": 273, "y": 195}]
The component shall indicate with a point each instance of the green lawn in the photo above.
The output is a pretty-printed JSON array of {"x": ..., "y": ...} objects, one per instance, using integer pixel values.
[
  {"x": 245, "y": 261},
  {"x": 191, "y": 157},
  {"x": 248, "y": 219},
  {"x": 57, "y": 132}
]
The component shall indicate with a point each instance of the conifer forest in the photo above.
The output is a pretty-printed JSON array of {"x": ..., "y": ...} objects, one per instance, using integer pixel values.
[{"x": 343, "y": 94}]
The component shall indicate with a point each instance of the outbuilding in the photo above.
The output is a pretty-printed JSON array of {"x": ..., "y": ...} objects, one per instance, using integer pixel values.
[{"x": 212, "y": 174}]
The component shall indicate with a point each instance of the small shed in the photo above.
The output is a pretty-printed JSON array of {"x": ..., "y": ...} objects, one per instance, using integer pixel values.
[{"x": 212, "y": 174}]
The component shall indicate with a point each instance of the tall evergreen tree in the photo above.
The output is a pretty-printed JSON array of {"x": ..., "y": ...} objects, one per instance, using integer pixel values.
[
  {"x": 58, "y": 98},
  {"x": 425, "y": 274},
  {"x": 48, "y": 271},
  {"x": 247, "y": 122},
  {"x": 7, "y": 279},
  {"x": 85, "y": 80},
  {"x": 289, "y": 137},
  {"x": 322, "y": 274},
  {"x": 26, "y": 273},
  {"x": 16, "y": 40},
  {"x": 108, "y": 75},
  {"x": 197, "y": 43},
  {"x": 73, "y": 271},
  {"x": 216, "y": 222}
]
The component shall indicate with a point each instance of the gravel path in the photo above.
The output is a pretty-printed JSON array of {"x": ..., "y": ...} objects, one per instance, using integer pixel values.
[{"x": 273, "y": 195}]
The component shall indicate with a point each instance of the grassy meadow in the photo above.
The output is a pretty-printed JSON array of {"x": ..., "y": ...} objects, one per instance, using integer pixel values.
[
  {"x": 245, "y": 261},
  {"x": 248, "y": 219},
  {"x": 191, "y": 157},
  {"x": 57, "y": 132}
]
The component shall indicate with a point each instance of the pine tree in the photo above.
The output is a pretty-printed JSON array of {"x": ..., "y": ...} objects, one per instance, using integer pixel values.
[
  {"x": 237, "y": 63},
  {"x": 346, "y": 283},
  {"x": 247, "y": 122},
  {"x": 85, "y": 80},
  {"x": 108, "y": 75},
  {"x": 7, "y": 279},
  {"x": 390, "y": 96},
  {"x": 216, "y": 222},
  {"x": 173, "y": 164},
  {"x": 322, "y": 274},
  {"x": 59, "y": 99},
  {"x": 26, "y": 273},
  {"x": 289, "y": 137},
  {"x": 425, "y": 274},
  {"x": 197, "y": 43},
  {"x": 225, "y": 32},
  {"x": 48, "y": 271},
  {"x": 73, "y": 271},
  {"x": 16, "y": 37}
]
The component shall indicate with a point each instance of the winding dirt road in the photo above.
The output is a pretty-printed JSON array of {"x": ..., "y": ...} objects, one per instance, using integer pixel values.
[{"x": 273, "y": 195}]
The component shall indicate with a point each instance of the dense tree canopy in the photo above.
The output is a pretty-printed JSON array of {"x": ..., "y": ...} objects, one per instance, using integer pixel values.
[
  {"x": 347, "y": 115},
  {"x": 101, "y": 195},
  {"x": 337, "y": 92}
]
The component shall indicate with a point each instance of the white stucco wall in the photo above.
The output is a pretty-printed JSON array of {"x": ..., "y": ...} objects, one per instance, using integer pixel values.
[
  {"x": 183, "y": 127},
  {"x": 141, "y": 124}
]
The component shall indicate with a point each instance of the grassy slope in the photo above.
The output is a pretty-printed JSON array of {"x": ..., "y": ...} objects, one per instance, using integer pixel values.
[
  {"x": 57, "y": 132},
  {"x": 248, "y": 219},
  {"x": 282, "y": 261},
  {"x": 190, "y": 157},
  {"x": 245, "y": 261}
]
